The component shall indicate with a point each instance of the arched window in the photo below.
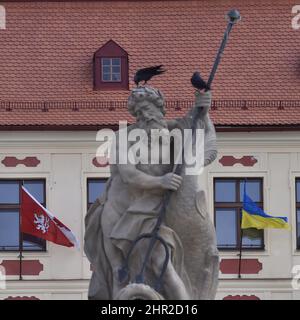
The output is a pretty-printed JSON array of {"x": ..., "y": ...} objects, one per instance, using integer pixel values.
[{"x": 111, "y": 67}]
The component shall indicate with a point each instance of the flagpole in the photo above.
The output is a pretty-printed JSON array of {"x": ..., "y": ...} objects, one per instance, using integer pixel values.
[
  {"x": 20, "y": 240},
  {"x": 241, "y": 234},
  {"x": 21, "y": 255},
  {"x": 240, "y": 255}
]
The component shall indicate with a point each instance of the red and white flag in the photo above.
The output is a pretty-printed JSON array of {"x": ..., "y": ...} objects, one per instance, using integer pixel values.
[{"x": 39, "y": 222}]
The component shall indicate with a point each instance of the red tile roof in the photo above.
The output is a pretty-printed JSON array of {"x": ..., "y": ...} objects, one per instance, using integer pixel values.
[{"x": 47, "y": 48}]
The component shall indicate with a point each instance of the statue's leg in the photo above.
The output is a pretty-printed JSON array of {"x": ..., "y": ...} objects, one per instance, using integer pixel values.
[{"x": 172, "y": 283}]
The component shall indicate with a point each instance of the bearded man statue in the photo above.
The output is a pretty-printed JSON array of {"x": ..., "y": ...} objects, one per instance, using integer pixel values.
[{"x": 131, "y": 204}]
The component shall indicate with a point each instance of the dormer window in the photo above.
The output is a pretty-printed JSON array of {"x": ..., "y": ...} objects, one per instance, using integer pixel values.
[{"x": 111, "y": 67}]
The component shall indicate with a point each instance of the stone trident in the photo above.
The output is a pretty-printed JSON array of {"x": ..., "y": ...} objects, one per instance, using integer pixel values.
[{"x": 233, "y": 16}]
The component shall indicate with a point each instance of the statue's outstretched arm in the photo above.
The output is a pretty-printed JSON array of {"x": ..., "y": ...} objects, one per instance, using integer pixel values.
[{"x": 203, "y": 101}]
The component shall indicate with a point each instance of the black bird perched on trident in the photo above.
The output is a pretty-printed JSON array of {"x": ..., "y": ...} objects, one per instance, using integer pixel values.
[
  {"x": 146, "y": 74},
  {"x": 198, "y": 82}
]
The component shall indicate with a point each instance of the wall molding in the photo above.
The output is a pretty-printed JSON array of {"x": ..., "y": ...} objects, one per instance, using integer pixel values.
[
  {"x": 248, "y": 266},
  {"x": 230, "y": 161},
  {"x": 12, "y": 162},
  {"x": 29, "y": 267}
]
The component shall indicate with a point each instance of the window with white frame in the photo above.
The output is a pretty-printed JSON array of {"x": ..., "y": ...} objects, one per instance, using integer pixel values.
[
  {"x": 95, "y": 187},
  {"x": 111, "y": 69},
  {"x": 10, "y": 234},
  {"x": 228, "y": 203}
]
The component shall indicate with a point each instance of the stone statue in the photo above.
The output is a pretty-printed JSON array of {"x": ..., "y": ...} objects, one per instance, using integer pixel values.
[{"x": 130, "y": 205}]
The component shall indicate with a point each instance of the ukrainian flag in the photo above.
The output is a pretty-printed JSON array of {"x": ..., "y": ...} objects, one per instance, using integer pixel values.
[{"x": 255, "y": 217}]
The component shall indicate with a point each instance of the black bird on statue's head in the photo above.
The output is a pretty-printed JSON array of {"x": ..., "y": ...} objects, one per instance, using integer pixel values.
[
  {"x": 147, "y": 73},
  {"x": 198, "y": 82}
]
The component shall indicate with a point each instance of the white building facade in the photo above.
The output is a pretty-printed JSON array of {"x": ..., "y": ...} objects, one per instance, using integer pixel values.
[{"x": 63, "y": 163}]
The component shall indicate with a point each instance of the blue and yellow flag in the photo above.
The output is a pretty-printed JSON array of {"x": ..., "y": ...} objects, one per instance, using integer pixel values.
[{"x": 255, "y": 217}]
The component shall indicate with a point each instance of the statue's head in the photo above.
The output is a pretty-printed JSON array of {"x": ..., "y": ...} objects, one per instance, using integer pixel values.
[{"x": 146, "y": 103}]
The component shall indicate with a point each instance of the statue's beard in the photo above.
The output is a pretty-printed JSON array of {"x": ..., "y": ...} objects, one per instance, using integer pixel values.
[
  {"x": 153, "y": 123},
  {"x": 150, "y": 124}
]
